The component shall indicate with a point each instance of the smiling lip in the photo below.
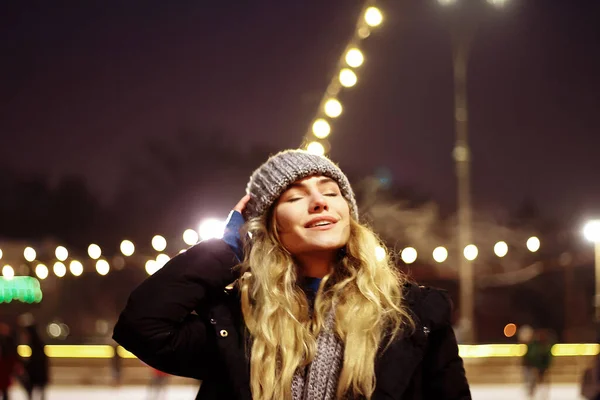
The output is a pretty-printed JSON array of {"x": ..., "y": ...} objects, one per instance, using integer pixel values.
[{"x": 313, "y": 221}]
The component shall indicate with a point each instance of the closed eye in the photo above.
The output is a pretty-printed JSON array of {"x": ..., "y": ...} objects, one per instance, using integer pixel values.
[{"x": 332, "y": 194}]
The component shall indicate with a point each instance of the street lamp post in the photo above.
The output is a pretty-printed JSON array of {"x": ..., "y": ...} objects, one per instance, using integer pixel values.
[
  {"x": 591, "y": 231},
  {"x": 463, "y": 31},
  {"x": 461, "y": 45}
]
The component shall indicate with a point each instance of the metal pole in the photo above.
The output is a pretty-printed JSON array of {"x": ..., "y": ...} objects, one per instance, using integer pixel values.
[
  {"x": 462, "y": 41},
  {"x": 597, "y": 278}
]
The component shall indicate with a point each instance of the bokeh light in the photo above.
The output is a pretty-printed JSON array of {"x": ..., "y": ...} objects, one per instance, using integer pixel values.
[
  {"x": 409, "y": 255},
  {"x": 533, "y": 244},
  {"x": 321, "y": 128},
  {"x": 373, "y": 16},
  {"x": 354, "y": 58},
  {"x": 471, "y": 252},
  {"x": 440, "y": 254},
  {"x": 591, "y": 231},
  {"x": 102, "y": 267},
  {"x": 211, "y": 228},
  {"x": 151, "y": 267},
  {"x": 41, "y": 271},
  {"x": 315, "y": 148},
  {"x": 59, "y": 269},
  {"x": 510, "y": 330},
  {"x": 347, "y": 77},
  {"x": 333, "y": 108},
  {"x": 61, "y": 253},
  {"x": 190, "y": 237},
  {"x": 76, "y": 268},
  {"x": 159, "y": 243},
  {"x": 29, "y": 254},
  {"x": 8, "y": 272},
  {"x": 94, "y": 251},
  {"x": 162, "y": 259},
  {"x": 127, "y": 248},
  {"x": 501, "y": 249}
]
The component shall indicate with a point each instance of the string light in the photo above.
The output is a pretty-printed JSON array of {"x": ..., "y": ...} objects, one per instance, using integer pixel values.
[
  {"x": 127, "y": 248},
  {"x": 348, "y": 77},
  {"x": 471, "y": 252},
  {"x": 315, "y": 148},
  {"x": 440, "y": 254},
  {"x": 345, "y": 77},
  {"x": 162, "y": 259},
  {"x": 159, "y": 243},
  {"x": 94, "y": 251},
  {"x": 61, "y": 253},
  {"x": 501, "y": 249},
  {"x": 373, "y": 16},
  {"x": 41, "y": 271},
  {"x": 151, "y": 267},
  {"x": 29, "y": 254},
  {"x": 102, "y": 267},
  {"x": 533, "y": 244},
  {"x": 59, "y": 269},
  {"x": 76, "y": 268},
  {"x": 190, "y": 237},
  {"x": 354, "y": 58},
  {"x": 409, "y": 255},
  {"x": 8, "y": 272},
  {"x": 321, "y": 128},
  {"x": 333, "y": 108}
]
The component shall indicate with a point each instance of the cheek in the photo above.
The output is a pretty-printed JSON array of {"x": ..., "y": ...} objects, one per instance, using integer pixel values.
[{"x": 284, "y": 220}]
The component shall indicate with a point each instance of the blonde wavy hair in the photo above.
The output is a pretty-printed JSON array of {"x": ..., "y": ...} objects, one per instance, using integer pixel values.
[{"x": 367, "y": 292}]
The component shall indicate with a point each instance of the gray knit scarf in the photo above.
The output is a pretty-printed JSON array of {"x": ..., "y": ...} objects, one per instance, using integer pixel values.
[{"x": 319, "y": 380}]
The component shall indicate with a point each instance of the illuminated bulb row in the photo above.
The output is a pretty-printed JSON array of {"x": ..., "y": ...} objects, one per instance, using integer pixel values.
[
  {"x": 470, "y": 252},
  {"x": 211, "y": 228},
  {"x": 214, "y": 229},
  {"x": 353, "y": 59}
]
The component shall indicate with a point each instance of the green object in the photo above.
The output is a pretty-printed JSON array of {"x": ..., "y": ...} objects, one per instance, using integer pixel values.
[
  {"x": 538, "y": 355},
  {"x": 25, "y": 289}
]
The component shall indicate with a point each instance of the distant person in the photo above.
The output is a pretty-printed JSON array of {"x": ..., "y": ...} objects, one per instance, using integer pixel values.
[
  {"x": 116, "y": 368},
  {"x": 9, "y": 359},
  {"x": 315, "y": 312},
  {"x": 157, "y": 386},
  {"x": 36, "y": 366},
  {"x": 537, "y": 361}
]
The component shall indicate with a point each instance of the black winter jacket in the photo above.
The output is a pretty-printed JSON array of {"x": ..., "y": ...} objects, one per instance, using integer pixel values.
[{"x": 186, "y": 321}]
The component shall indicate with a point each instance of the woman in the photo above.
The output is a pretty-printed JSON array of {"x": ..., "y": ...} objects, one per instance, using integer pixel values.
[{"x": 312, "y": 312}]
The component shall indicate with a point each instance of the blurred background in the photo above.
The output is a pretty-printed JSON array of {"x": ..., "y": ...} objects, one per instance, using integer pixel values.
[{"x": 469, "y": 129}]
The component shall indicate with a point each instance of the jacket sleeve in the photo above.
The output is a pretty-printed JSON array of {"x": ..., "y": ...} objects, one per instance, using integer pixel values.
[
  {"x": 444, "y": 374},
  {"x": 157, "y": 324}
]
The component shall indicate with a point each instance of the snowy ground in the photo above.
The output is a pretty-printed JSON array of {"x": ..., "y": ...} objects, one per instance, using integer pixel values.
[{"x": 480, "y": 392}]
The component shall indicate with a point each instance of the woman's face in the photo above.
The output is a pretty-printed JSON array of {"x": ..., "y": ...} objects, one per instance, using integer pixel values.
[{"x": 312, "y": 216}]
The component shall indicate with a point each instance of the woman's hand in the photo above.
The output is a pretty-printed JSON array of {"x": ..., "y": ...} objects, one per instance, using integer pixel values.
[
  {"x": 232, "y": 229},
  {"x": 241, "y": 205}
]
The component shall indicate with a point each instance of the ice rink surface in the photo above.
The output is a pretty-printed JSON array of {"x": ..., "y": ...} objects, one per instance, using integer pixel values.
[{"x": 480, "y": 392}]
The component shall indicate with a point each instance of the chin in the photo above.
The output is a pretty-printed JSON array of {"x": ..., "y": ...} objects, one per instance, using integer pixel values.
[{"x": 325, "y": 245}]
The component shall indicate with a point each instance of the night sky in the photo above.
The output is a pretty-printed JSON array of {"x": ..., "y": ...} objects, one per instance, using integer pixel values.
[{"x": 85, "y": 84}]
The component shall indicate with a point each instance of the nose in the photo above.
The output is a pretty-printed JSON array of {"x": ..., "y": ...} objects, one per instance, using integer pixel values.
[{"x": 318, "y": 203}]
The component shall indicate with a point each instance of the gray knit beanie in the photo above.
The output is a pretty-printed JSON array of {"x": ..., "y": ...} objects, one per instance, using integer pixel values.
[{"x": 272, "y": 178}]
